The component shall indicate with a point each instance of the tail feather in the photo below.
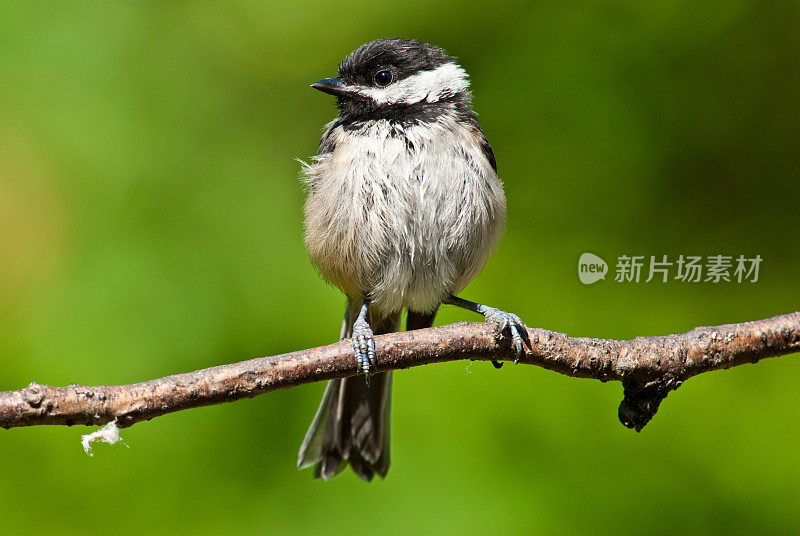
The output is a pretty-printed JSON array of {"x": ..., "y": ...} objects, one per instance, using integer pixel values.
[{"x": 352, "y": 424}]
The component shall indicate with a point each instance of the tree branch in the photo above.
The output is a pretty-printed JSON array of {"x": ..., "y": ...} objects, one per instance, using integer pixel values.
[{"x": 648, "y": 367}]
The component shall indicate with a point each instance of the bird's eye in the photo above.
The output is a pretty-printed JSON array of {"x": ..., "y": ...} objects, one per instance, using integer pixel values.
[{"x": 383, "y": 78}]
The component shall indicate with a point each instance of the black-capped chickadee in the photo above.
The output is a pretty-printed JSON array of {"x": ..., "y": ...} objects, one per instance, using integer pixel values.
[{"x": 404, "y": 207}]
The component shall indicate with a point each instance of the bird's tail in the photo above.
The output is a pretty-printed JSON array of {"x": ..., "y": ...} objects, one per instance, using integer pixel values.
[{"x": 352, "y": 423}]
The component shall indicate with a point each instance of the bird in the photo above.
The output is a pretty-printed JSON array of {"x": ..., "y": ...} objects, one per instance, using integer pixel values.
[{"x": 403, "y": 208}]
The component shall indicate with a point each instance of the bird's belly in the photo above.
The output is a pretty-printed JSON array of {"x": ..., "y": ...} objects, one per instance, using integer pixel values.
[{"x": 401, "y": 229}]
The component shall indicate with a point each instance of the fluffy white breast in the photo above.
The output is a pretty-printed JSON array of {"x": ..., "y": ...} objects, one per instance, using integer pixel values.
[{"x": 403, "y": 216}]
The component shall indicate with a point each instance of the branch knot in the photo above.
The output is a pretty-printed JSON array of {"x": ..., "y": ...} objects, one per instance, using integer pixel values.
[
  {"x": 640, "y": 403},
  {"x": 34, "y": 394}
]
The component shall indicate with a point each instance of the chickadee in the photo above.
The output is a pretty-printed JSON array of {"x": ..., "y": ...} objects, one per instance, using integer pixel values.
[{"x": 404, "y": 207}]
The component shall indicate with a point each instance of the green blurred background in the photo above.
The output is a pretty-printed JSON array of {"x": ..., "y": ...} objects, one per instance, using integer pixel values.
[{"x": 151, "y": 222}]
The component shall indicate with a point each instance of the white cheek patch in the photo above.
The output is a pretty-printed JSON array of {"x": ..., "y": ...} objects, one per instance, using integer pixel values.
[{"x": 430, "y": 86}]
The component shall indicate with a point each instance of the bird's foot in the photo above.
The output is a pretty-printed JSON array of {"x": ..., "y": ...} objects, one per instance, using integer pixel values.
[
  {"x": 514, "y": 324},
  {"x": 364, "y": 345}
]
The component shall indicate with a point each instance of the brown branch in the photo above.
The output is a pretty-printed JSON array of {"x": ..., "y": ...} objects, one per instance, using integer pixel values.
[{"x": 648, "y": 367}]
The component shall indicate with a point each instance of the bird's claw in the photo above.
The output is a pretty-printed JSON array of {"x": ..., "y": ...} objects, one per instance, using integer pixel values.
[
  {"x": 515, "y": 325},
  {"x": 364, "y": 346}
]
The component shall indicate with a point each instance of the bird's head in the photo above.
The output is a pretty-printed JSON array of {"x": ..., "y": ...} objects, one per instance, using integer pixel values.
[{"x": 396, "y": 78}]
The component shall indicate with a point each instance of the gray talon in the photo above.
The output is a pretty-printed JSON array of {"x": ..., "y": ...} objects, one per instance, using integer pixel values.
[
  {"x": 515, "y": 325},
  {"x": 364, "y": 345}
]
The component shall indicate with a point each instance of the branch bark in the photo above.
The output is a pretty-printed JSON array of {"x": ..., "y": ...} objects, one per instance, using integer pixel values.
[{"x": 648, "y": 367}]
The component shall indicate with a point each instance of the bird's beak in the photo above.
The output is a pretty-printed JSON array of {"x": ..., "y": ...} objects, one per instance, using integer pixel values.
[{"x": 335, "y": 87}]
